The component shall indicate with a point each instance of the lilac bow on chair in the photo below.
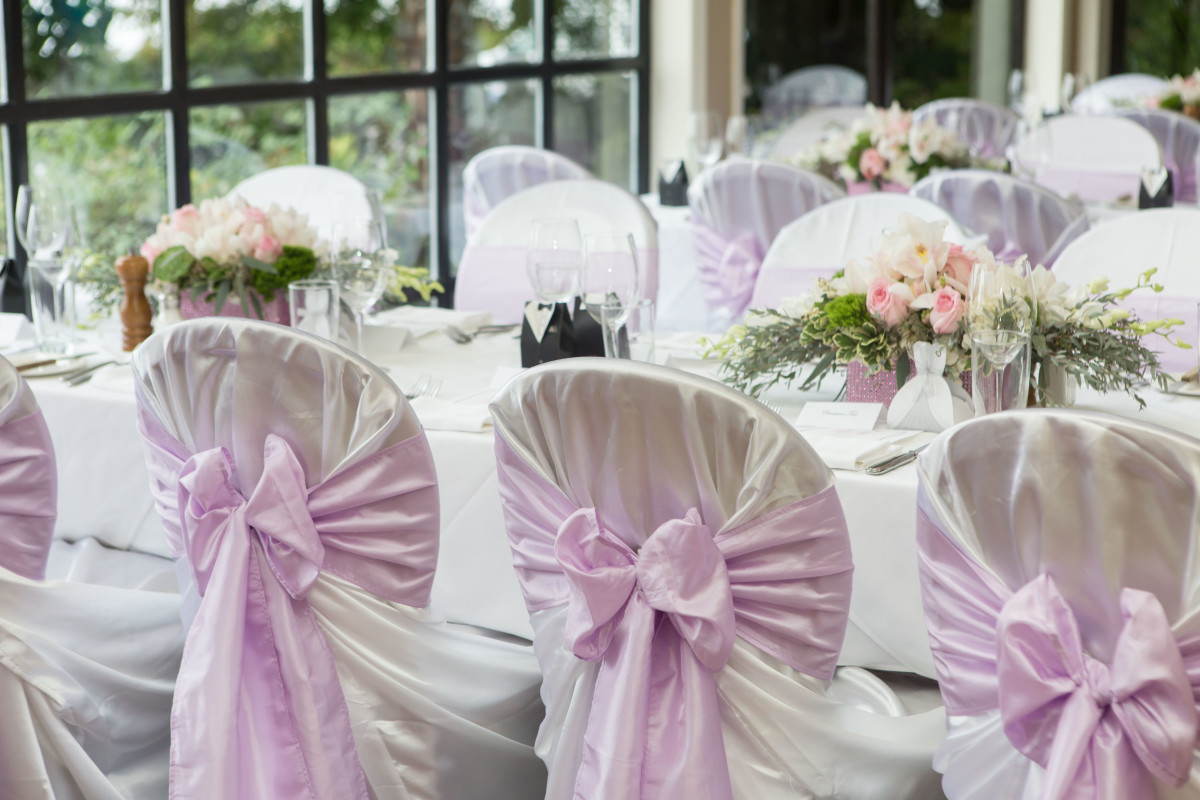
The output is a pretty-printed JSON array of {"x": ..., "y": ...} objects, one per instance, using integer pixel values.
[
  {"x": 728, "y": 267},
  {"x": 1099, "y": 730},
  {"x": 28, "y": 495},
  {"x": 259, "y": 710},
  {"x": 662, "y": 621}
]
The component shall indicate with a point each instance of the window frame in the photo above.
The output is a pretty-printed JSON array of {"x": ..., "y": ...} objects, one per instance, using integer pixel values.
[{"x": 17, "y": 112}]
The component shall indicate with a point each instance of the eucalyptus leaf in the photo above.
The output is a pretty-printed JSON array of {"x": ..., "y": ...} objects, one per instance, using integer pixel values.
[
  {"x": 173, "y": 264},
  {"x": 222, "y": 296},
  {"x": 903, "y": 369},
  {"x": 261, "y": 266},
  {"x": 258, "y": 309},
  {"x": 197, "y": 290}
]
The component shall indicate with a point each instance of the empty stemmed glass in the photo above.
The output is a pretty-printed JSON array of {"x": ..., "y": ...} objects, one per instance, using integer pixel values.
[
  {"x": 553, "y": 260},
  {"x": 609, "y": 283},
  {"x": 1001, "y": 312},
  {"x": 42, "y": 225},
  {"x": 361, "y": 265},
  {"x": 705, "y": 138}
]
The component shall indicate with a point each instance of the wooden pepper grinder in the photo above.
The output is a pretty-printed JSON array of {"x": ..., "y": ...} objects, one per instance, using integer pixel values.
[{"x": 135, "y": 308}]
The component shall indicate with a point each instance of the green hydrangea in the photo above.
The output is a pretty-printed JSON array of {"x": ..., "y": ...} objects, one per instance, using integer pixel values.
[
  {"x": 294, "y": 264},
  {"x": 847, "y": 310}
]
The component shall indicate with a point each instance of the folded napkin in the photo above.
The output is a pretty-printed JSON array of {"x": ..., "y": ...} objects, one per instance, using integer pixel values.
[
  {"x": 14, "y": 329},
  {"x": 421, "y": 321},
  {"x": 857, "y": 449},
  {"x": 443, "y": 415}
]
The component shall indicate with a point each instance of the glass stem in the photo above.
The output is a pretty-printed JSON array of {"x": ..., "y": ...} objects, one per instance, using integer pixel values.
[
  {"x": 612, "y": 341},
  {"x": 358, "y": 326}
]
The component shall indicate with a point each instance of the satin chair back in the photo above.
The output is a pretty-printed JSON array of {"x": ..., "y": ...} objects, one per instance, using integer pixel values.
[
  {"x": 817, "y": 86},
  {"x": 809, "y": 130},
  {"x": 492, "y": 275},
  {"x": 1123, "y": 248},
  {"x": 1060, "y": 588},
  {"x": 1018, "y": 216},
  {"x": 825, "y": 239},
  {"x": 986, "y": 128},
  {"x": 323, "y": 194},
  {"x": 1178, "y": 137},
  {"x": 276, "y": 457},
  {"x": 1117, "y": 91},
  {"x": 1098, "y": 159},
  {"x": 738, "y": 208},
  {"x": 663, "y": 525},
  {"x": 500, "y": 172},
  {"x": 28, "y": 479}
]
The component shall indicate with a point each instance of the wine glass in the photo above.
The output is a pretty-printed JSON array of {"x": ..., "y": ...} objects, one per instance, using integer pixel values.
[
  {"x": 705, "y": 138},
  {"x": 737, "y": 135},
  {"x": 553, "y": 259},
  {"x": 1001, "y": 312},
  {"x": 1035, "y": 146},
  {"x": 42, "y": 225},
  {"x": 359, "y": 260},
  {"x": 609, "y": 282}
]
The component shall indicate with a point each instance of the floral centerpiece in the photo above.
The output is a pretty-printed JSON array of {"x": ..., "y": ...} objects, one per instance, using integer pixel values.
[
  {"x": 913, "y": 288},
  {"x": 226, "y": 247},
  {"x": 1182, "y": 94},
  {"x": 884, "y": 148}
]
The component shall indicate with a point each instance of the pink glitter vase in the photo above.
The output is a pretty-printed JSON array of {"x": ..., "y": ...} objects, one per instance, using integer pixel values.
[
  {"x": 864, "y": 386},
  {"x": 275, "y": 311}
]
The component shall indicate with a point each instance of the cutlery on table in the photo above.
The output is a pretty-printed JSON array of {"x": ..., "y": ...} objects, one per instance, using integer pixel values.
[
  {"x": 426, "y": 386},
  {"x": 895, "y": 462},
  {"x": 457, "y": 334},
  {"x": 47, "y": 362},
  {"x": 82, "y": 376}
]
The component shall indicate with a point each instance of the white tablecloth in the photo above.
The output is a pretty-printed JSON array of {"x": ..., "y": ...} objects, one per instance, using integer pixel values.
[
  {"x": 103, "y": 492},
  {"x": 681, "y": 305}
]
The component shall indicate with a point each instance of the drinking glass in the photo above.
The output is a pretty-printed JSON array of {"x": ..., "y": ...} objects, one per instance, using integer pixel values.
[
  {"x": 737, "y": 136},
  {"x": 553, "y": 260},
  {"x": 1035, "y": 146},
  {"x": 315, "y": 307},
  {"x": 635, "y": 339},
  {"x": 359, "y": 260},
  {"x": 42, "y": 227},
  {"x": 610, "y": 278},
  {"x": 705, "y": 135},
  {"x": 1001, "y": 312}
]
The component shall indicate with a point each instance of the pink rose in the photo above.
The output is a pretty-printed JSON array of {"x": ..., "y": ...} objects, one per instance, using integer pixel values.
[
  {"x": 268, "y": 249},
  {"x": 185, "y": 219},
  {"x": 256, "y": 215},
  {"x": 151, "y": 252},
  {"x": 959, "y": 264},
  {"x": 871, "y": 164},
  {"x": 885, "y": 304},
  {"x": 947, "y": 310}
]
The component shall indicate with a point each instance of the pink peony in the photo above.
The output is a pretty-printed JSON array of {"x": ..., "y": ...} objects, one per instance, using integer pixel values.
[
  {"x": 150, "y": 252},
  {"x": 186, "y": 219},
  {"x": 268, "y": 249},
  {"x": 256, "y": 215},
  {"x": 947, "y": 310},
  {"x": 871, "y": 164},
  {"x": 886, "y": 304}
]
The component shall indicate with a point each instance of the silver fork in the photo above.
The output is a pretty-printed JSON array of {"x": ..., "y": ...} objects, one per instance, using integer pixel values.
[{"x": 426, "y": 386}]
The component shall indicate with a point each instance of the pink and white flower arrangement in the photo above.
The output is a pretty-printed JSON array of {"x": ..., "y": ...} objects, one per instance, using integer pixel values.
[
  {"x": 884, "y": 146},
  {"x": 225, "y": 246},
  {"x": 1181, "y": 94}
]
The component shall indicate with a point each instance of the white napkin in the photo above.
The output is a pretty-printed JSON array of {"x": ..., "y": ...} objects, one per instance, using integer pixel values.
[
  {"x": 856, "y": 449},
  {"x": 928, "y": 401},
  {"x": 15, "y": 328},
  {"x": 443, "y": 415},
  {"x": 422, "y": 321}
]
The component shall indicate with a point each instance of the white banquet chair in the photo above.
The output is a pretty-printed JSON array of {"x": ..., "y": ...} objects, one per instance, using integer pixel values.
[
  {"x": 686, "y": 566},
  {"x": 87, "y": 665},
  {"x": 1117, "y": 91},
  {"x": 809, "y": 130},
  {"x": 986, "y": 128},
  {"x": 1059, "y": 578},
  {"x": 1122, "y": 249},
  {"x": 302, "y": 506},
  {"x": 1178, "y": 137},
  {"x": 323, "y": 194},
  {"x": 1018, "y": 217},
  {"x": 738, "y": 208},
  {"x": 817, "y": 86},
  {"x": 1098, "y": 159},
  {"x": 492, "y": 274},
  {"x": 500, "y": 172},
  {"x": 825, "y": 239}
]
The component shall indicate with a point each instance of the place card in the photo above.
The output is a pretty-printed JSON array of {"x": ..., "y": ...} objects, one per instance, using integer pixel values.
[{"x": 839, "y": 416}]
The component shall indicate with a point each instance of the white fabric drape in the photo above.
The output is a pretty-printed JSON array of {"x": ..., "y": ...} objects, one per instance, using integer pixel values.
[{"x": 500, "y": 172}]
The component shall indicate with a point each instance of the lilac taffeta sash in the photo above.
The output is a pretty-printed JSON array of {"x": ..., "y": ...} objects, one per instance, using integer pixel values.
[
  {"x": 259, "y": 712},
  {"x": 1100, "y": 730},
  {"x": 28, "y": 495},
  {"x": 728, "y": 268},
  {"x": 662, "y": 620}
]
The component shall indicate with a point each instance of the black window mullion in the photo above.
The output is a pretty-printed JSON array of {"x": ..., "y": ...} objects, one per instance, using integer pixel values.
[
  {"x": 18, "y": 148},
  {"x": 642, "y": 128},
  {"x": 319, "y": 148},
  {"x": 179, "y": 182},
  {"x": 440, "y": 157},
  {"x": 547, "y": 74}
]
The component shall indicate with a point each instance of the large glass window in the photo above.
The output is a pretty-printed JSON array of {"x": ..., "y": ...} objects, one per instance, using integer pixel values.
[
  {"x": 1159, "y": 37},
  {"x": 96, "y": 102}
]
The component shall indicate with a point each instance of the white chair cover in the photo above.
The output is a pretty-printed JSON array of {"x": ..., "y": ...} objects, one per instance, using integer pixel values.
[
  {"x": 1123, "y": 248},
  {"x": 1178, "y": 137},
  {"x": 738, "y": 208},
  {"x": 1017, "y": 216},
  {"x": 500, "y": 172},
  {"x": 436, "y": 711},
  {"x": 492, "y": 275},
  {"x": 1117, "y": 91},
  {"x": 323, "y": 194},
  {"x": 825, "y": 239},
  {"x": 1099, "y": 159},
  {"x": 1032, "y": 530},
  {"x": 642, "y": 445},
  {"x": 820, "y": 85},
  {"x": 986, "y": 128},
  {"x": 86, "y": 670},
  {"x": 806, "y": 132}
]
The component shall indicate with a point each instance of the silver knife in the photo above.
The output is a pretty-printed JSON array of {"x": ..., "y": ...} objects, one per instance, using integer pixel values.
[{"x": 895, "y": 462}]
